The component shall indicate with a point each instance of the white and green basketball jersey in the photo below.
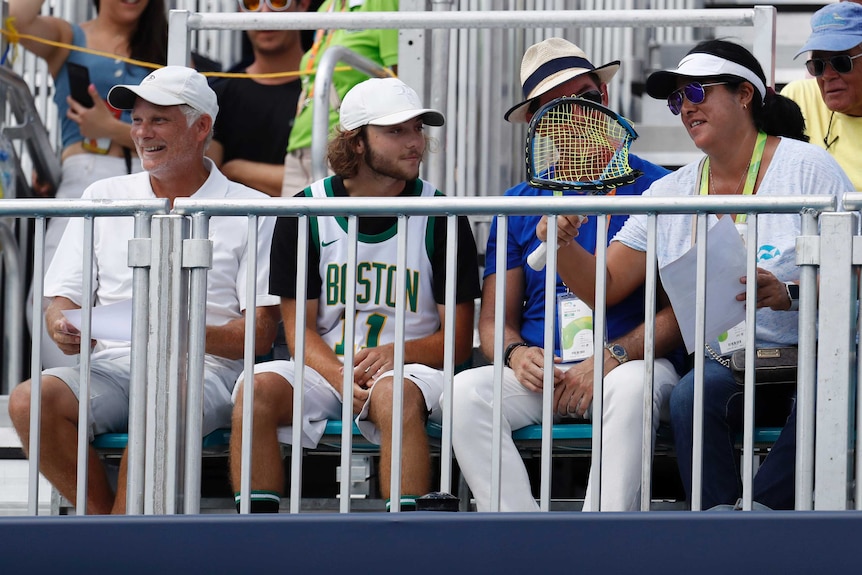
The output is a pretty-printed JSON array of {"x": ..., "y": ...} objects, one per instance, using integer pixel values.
[{"x": 375, "y": 278}]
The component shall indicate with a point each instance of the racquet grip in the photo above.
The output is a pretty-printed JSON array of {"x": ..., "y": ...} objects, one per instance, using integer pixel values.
[{"x": 536, "y": 260}]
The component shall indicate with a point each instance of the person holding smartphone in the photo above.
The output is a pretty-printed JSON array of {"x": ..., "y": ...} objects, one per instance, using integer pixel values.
[{"x": 95, "y": 138}]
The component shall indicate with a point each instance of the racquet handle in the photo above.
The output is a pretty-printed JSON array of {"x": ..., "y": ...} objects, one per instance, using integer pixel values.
[{"x": 536, "y": 260}]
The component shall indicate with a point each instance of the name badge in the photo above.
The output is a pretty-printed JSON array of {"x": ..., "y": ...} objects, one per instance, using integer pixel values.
[
  {"x": 576, "y": 328},
  {"x": 732, "y": 340}
]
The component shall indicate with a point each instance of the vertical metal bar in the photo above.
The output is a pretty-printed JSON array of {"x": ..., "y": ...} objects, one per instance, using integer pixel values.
[
  {"x": 499, "y": 341},
  {"x": 167, "y": 350},
  {"x": 197, "y": 351},
  {"x": 249, "y": 345},
  {"x": 699, "y": 346},
  {"x": 349, "y": 350},
  {"x": 178, "y": 38},
  {"x": 138, "y": 370},
  {"x": 299, "y": 365},
  {"x": 764, "y": 40},
  {"x": 650, "y": 295},
  {"x": 33, "y": 451},
  {"x": 835, "y": 368},
  {"x": 805, "y": 392},
  {"x": 750, "y": 350},
  {"x": 84, "y": 367},
  {"x": 398, "y": 376},
  {"x": 449, "y": 351},
  {"x": 599, "y": 338},
  {"x": 13, "y": 309},
  {"x": 548, "y": 376}
]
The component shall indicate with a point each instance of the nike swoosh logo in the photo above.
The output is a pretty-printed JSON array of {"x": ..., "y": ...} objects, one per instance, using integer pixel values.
[{"x": 324, "y": 244}]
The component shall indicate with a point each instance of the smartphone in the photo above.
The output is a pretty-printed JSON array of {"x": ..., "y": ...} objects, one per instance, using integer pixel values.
[{"x": 79, "y": 84}]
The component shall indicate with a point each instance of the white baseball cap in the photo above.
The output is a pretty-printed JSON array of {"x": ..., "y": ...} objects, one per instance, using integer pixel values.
[
  {"x": 168, "y": 86},
  {"x": 384, "y": 102}
]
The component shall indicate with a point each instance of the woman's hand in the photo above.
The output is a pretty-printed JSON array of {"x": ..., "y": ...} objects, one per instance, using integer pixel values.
[
  {"x": 568, "y": 228},
  {"x": 771, "y": 291},
  {"x": 93, "y": 122}
]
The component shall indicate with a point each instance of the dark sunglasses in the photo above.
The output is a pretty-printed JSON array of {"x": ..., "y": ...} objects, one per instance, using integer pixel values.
[
  {"x": 256, "y": 5},
  {"x": 694, "y": 93},
  {"x": 594, "y": 96},
  {"x": 842, "y": 64}
]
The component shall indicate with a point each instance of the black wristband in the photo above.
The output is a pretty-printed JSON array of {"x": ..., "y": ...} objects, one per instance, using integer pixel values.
[{"x": 510, "y": 348}]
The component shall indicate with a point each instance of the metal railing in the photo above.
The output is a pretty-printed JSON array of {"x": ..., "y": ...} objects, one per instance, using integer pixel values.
[{"x": 604, "y": 207}]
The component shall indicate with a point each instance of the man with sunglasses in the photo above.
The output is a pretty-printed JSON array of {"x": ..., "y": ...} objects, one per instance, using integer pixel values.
[
  {"x": 832, "y": 101},
  {"x": 552, "y": 69},
  {"x": 256, "y": 114}
]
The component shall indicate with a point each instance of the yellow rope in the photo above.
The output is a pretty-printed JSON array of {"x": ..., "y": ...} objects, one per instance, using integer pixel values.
[{"x": 14, "y": 37}]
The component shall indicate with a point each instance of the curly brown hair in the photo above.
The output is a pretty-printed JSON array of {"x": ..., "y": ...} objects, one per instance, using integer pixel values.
[{"x": 341, "y": 152}]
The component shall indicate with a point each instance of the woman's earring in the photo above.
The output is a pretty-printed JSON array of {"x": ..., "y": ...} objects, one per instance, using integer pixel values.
[{"x": 745, "y": 106}]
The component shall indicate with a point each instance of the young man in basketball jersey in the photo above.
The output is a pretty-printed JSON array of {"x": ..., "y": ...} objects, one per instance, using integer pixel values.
[{"x": 376, "y": 153}]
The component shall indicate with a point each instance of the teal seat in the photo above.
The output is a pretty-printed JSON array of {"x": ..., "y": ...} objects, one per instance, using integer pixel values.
[{"x": 214, "y": 443}]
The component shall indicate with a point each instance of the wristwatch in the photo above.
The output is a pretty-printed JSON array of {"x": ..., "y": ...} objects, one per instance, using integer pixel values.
[
  {"x": 618, "y": 352},
  {"x": 793, "y": 295}
]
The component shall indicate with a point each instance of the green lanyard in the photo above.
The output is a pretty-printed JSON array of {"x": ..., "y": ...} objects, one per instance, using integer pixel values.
[{"x": 751, "y": 178}]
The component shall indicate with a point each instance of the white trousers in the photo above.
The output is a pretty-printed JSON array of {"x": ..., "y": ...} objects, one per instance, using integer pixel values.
[{"x": 621, "y": 445}]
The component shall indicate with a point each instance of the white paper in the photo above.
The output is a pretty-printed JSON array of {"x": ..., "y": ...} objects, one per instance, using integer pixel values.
[
  {"x": 725, "y": 264},
  {"x": 112, "y": 321}
]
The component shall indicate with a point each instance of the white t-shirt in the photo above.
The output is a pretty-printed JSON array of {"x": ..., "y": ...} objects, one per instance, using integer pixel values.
[
  {"x": 796, "y": 168},
  {"x": 112, "y": 276}
]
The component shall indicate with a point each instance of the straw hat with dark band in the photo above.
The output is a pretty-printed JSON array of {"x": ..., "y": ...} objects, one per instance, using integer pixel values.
[{"x": 550, "y": 63}]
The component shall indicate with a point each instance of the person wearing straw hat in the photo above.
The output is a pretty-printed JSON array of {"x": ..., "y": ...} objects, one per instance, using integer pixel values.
[
  {"x": 376, "y": 153},
  {"x": 831, "y": 101},
  {"x": 753, "y": 143},
  {"x": 173, "y": 110},
  {"x": 552, "y": 69}
]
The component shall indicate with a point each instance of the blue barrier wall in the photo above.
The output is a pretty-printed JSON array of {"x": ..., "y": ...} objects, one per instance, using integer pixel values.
[{"x": 438, "y": 543}]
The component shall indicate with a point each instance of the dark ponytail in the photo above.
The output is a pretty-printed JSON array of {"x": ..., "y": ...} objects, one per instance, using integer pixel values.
[{"x": 149, "y": 41}]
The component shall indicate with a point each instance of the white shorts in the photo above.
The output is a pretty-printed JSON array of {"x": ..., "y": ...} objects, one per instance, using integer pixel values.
[
  {"x": 322, "y": 402},
  {"x": 109, "y": 394}
]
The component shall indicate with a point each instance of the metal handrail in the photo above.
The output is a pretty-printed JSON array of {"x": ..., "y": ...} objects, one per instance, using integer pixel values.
[{"x": 30, "y": 129}]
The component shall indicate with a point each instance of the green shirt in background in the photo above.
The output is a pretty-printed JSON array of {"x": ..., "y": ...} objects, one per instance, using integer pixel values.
[{"x": 380, "y": 46}]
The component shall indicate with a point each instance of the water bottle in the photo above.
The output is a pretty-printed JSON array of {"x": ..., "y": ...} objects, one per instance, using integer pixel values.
[{"x": 8, "y": 168}]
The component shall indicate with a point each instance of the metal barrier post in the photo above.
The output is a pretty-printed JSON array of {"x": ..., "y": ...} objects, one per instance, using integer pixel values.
[
  {"x": 166, "y": 363},
  {"x": 835, "y": 362}
]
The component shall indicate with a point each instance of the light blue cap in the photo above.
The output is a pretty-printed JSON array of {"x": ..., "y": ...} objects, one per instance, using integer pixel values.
[{"x": 835, "y": 28}]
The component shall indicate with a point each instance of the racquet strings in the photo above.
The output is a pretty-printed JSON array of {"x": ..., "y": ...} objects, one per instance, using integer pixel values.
[{"x": 579, "y": 144}]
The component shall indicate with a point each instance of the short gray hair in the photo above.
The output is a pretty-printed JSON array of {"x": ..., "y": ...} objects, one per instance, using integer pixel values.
[{"x": 192, "y": 115}]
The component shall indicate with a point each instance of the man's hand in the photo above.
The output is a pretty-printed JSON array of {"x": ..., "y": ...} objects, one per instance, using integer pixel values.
[
  {"x": 370, "y": 362},
  {"x": 66, "y": 336},
  {"x": 573, "y": 397},
  {"x": 528, "y": 363}
]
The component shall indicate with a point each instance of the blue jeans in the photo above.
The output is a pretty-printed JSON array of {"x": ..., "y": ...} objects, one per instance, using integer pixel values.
[{"x": 774, "y": 482}]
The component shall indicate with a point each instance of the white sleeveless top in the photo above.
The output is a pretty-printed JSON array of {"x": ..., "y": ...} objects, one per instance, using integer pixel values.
[{"x": 375, "y": 277}]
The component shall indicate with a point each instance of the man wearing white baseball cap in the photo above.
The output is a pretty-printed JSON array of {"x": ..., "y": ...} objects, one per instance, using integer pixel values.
[
  {"x": 375, "y": 153},
  {"x": 831, "y": 101},
  {"x": 172, "y": 116}
]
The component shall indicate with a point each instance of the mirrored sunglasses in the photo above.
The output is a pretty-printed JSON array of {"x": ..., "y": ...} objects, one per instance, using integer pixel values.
[
  {"x": 694, "y": 93},
  {"x": 255, "y": 5},
  {"x": 842, "y": 64}
]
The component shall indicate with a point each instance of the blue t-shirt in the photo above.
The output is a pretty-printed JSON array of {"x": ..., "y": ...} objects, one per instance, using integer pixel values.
[
  {"x": 621, "y": 318},
  {"x": 105, "y": 73}
]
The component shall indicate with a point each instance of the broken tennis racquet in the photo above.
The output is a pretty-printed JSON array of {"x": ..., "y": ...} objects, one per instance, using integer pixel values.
[{"x": 577, "y": 144}]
